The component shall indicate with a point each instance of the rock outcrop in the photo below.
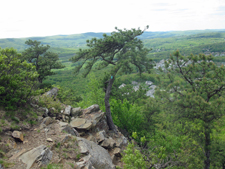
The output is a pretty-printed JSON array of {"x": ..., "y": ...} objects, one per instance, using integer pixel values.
[
  {"x": 41, "y": 155},
  {"x": 136, "y": 85},
  {"x": 95, "y": 155},
  {"x": 82, "y": 140},
  {"x": 53, "y": 92}
]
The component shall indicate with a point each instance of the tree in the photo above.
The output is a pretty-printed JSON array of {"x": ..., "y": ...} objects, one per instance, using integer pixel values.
[
  {"x": 18, "y": 79},
  {"x": 44, "y": 60},
  {"x": 194, "y": 89},
  {"x": 122, "y": 51}
]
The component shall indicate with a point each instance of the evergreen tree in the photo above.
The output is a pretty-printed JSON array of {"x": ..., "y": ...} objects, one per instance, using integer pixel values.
[
  {"x": 44, "y": 60},
  {"x": 122, "y": 51},
  {"x": 194, "y": 89}
]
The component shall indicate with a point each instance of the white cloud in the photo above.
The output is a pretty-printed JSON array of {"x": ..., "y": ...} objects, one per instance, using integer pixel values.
[{"x": 26, "y": 18}]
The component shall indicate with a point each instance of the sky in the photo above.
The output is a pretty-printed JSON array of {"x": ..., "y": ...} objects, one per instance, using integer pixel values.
[{"x": 29, "y": 18}]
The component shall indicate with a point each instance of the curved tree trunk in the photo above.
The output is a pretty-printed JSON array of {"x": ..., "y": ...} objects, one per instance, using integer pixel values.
[{"x": 107, "y": 106}]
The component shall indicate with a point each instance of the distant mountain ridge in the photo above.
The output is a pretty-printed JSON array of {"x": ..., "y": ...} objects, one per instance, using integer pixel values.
[{"x": 79, "y": 40}]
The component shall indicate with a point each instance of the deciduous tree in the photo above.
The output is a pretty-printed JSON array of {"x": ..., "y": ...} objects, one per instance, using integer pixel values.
[
  {"x": 18, "y": 79},
  {"x": 43, "y": 59}
]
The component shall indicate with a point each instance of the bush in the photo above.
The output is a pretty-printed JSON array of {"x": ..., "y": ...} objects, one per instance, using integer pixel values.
[
  {"x": 49, "y": 102},
  {"x": 69, "y": 96},
  {"x": 127, "y": 116},
  {"x": 18, "y": 79},
  {"x": 133, "y": 158},
  {"x": 94, "y": 94}
]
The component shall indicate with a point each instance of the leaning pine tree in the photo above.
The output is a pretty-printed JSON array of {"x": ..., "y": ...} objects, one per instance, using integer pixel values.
[{"x": 122, "y": 50}]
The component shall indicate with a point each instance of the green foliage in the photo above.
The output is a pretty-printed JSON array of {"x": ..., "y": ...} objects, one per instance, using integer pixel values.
[
  {"x": 122, "y": 50},
  {"x": 133, "y": 159},
  {"x": 18, "y": 79},
  {"x": 94, "y": 94},
  {"x": 127, "y": 116},
  {"x": 162, "y": 44},
  {"x": 196, "y": 97},
  {"x": 128, "y": 92},
  {"x": 44, "y": 60},
  {"x": 53, "y": 166},
  {"x": 68, "y": 96},
  {"x": 150, "y": 112},
  {"x": 49, "y": 102}
]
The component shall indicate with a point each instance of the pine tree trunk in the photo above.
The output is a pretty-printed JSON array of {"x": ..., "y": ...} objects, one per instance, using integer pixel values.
[
  {"x": 107, "y": 106},
  {"x": 207, "y": 148}
]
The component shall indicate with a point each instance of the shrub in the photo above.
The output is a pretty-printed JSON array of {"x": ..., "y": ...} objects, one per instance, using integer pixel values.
[
  {"x": 127, "y": 116},
  {"x": 18, "y": 79},
  {"x": 133, "y": 158},
  {"x": 68, "y": 96},
  {"x": 49, "y": 102}
]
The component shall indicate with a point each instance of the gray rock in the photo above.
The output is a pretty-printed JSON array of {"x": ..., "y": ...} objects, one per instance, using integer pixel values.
[
  {"x": 46, "y": 121},
  {"x": 91, "y": 109},
  {"x": 39, "y": 154},
  {"x": 67, "y": 110},
  {"x": 1, "y": 167},
  {"x": 62, "y": 124},
  {"x": 52, "y": 93},
  {"x": 86, "y": 126},
  {"x": 49, "y": 140},
  {"x": 121, "y": 141},
  {"x": 18, "y": 135},
  {"x": 101, "y": 136},
  {"x": 149, "y": 83},
  {"x": 151, "y": 92},
  {"x": 134, "y": 83},
  {"x": 117, "y": 152},
  {"x": 39, "y": 118},
  {"x": 70, "y": 130},
  {"x": 76, "y": 112},
  {"x": 122, "y": 85},
  {"x": 77, "y": 122},
  {"x": 96, "y": 117},
  {"x": 44, "y": 110},
  {"x": 108, "y": 143},
  {"x": 45, "y": 156},
  {"x": 96, "y": 156},
  {"x": 160, "y": 64},
  {"x": 91, "y": 138}
]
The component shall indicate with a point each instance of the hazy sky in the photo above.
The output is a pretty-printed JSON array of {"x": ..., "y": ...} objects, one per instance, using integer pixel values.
[{"x": 27, "y": 18}]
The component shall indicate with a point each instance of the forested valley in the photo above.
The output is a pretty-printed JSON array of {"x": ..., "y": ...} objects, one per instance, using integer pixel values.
[{"x": 163, "y": 90}]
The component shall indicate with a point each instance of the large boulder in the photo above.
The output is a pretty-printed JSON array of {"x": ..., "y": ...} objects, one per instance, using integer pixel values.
[
  {"x": 67, "y": 110},
  {"x": 88, "y": 121},
  {"x": 46, "y": 121},
  {"x": 18, "y": 135},
  {"x": 52, "y": 93},
  {"x": 41, "y": 155},
  {"x": 76, "y": 112},
  {"x": 78, "y": 122},
  {"x": 65, "y": 127},
  {"x": 95, "y": 155},
  {"x": 93, "y": 108}
]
